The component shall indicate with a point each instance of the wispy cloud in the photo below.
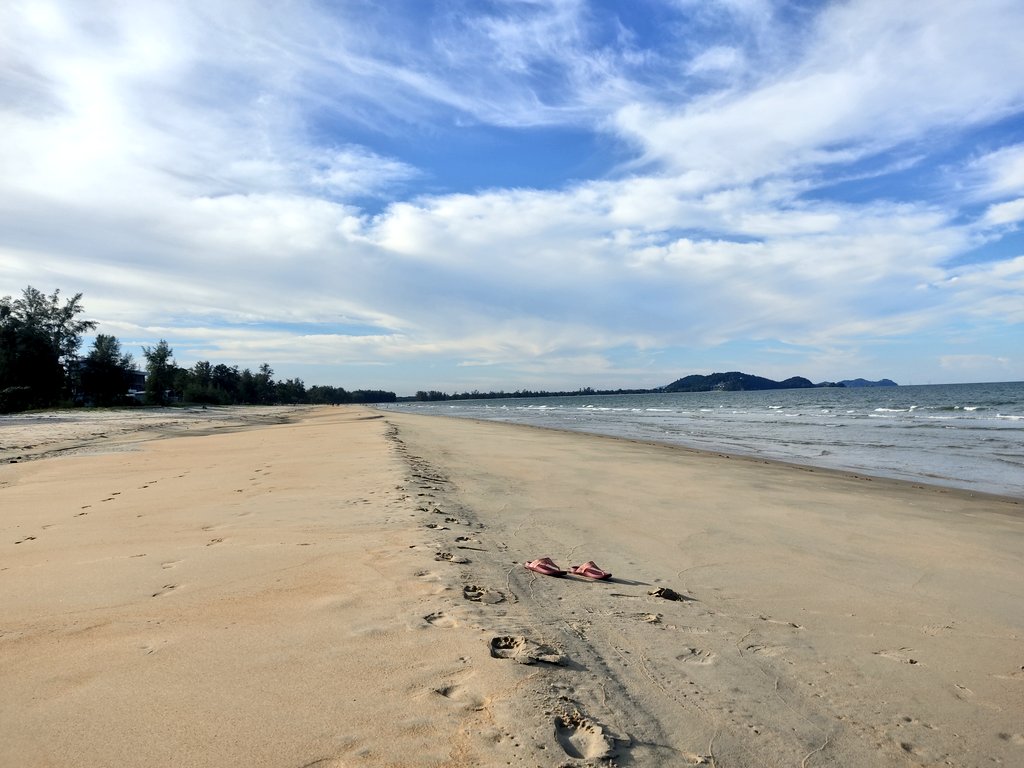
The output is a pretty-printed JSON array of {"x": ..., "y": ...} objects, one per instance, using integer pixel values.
[
  {"x": 872, "y": 76},
  {"x": 961, "y": 363},
  {"x": 253, "y": 183},
  {"x": 997, "y": 174}
]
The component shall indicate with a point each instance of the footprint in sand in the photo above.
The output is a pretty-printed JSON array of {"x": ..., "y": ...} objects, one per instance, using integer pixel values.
[
  {"x": 166, "y": 589},
  {"x": 462, "y": 695},
  {"x": 901, "y": 655},
  {"x": 963, "y": 691},
  {"x": 440, "y": 619},
  {"x": 665, "y": 593},
  {"x": 922, "y": 752},
  {"x": 524, "y": 651},
  {"x": 458, "y": 559},
  {"x": 697, "y": 656},
  {"x": 582, "y": 738},
  {"x": 1016, "y": 675},
  {"x": 766, "y": 650},
  {"x": 480, "y": 594}
]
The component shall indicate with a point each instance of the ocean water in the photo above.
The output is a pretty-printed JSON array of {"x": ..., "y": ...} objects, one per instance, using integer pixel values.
[{"x": 968, "y": 436}]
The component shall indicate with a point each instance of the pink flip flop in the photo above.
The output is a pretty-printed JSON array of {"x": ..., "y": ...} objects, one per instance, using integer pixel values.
[
  {"x": 546, "y": 566},
  {"x": 590, "y": 570}
]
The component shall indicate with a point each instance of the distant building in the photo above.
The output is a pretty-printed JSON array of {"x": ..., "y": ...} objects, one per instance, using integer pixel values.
[{"x": 137, "y": 385}]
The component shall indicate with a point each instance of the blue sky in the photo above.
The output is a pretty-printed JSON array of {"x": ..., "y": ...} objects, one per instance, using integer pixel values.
[{"x": 471, "y": 194}]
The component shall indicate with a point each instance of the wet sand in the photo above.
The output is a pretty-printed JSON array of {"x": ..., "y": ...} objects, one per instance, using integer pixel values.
[{"x": 348, "y": 589}]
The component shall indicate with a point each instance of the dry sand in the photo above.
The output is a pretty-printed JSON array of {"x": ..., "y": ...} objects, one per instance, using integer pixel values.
[{"x": 274, "y": 597}]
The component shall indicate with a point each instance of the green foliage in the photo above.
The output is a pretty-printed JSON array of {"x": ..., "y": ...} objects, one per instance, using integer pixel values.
[
  {"x": 39, "y": 339},
  {"x": 160, "y": 373},
  {"x": 263, "y": 382},
  {"x": 434, "y": 395},
  {"x": 322, "y": 395},
  {"x": 40, "y": 336},
  {"x": 56, "y": 322},
  {"x": 291, "y": 391},
  {"x": 106, "y": 372}
]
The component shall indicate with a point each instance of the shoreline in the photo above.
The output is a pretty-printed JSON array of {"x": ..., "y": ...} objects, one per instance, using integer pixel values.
[
  {"x": 962, "y": 437},
  {"x": 348, "y": 589},
  {"x": 168, "y": 422},
  {"x": 742, "y": 457}
]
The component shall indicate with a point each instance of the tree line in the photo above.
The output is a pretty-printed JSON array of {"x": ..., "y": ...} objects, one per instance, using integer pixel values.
[
  {"x": 40, "y": 367},
  {"x": 434, "y": 395}
]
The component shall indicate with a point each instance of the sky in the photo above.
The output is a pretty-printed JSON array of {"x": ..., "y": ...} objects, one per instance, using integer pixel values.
[{"x": 545, "y": 194}]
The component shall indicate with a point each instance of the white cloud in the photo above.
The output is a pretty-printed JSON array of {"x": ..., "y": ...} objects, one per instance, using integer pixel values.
[
  {"x": 972, "y": 362},
  {"x": 719, "y": 58},
  {"x": 989, "y": 292},
  {"x": 189, "y": 170},
  {"x": 355, "y": 171},
  {"x": 1005, "y": 213},
  {"x": 874, "y": 75},
  {"x": 999, "y": 173},
  {"x": 854, "y": 270}
]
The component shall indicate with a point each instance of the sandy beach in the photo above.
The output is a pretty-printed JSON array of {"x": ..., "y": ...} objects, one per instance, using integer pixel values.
[{"x": 339, "y": 586}]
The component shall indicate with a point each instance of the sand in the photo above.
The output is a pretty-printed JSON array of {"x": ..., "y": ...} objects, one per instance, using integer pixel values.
[{"x": 347, "y": 589}]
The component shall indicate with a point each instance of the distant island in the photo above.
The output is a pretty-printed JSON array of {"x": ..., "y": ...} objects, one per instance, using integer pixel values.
[
  {"x": 733, "y": 381},
  {"x": 866, "y": 383}
]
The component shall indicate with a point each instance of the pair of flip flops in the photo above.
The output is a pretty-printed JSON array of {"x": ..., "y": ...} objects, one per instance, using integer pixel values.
[{"x": 547, "y": 567}]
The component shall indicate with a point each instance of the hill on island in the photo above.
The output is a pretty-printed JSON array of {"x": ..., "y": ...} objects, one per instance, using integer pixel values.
[
  {"x": 734, "y": 381},
  {"x": 866, "y": 383}
]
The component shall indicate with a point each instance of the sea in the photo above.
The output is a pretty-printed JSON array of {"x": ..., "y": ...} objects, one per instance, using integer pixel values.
[{"x": 967, "y": 436}]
